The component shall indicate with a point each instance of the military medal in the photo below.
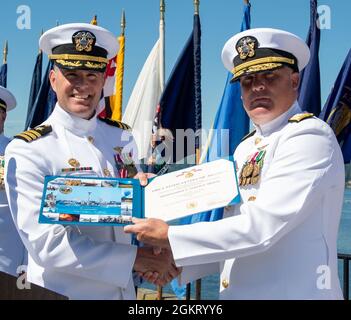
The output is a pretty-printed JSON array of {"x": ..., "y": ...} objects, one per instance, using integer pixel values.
[
  {"x": 66, "y": 170},
  {"x": 251, "y": 170},
  {"x": 74, "y": 163},
  {"x": 107, "y": 173},
  {"x": 124, "y": 163}
]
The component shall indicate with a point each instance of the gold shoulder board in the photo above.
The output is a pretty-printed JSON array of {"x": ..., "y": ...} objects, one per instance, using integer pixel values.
[
  {"x": 300, "y": 117},
  {"x": 117, "y": 124},
  {"x": 34, "y": 134},
  {"x": 248, "y": 135}
]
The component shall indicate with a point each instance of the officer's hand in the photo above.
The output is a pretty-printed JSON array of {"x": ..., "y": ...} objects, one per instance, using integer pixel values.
[
  {"x": 153, "y": 232},
  {"x": 143, "y": 178}
]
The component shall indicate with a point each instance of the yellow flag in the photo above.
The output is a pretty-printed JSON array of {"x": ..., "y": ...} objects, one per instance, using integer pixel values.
[{"x": 116, "y": 100}]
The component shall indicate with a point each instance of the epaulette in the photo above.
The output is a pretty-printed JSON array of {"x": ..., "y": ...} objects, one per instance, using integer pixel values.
[
  {"x": 248, "y": 135},
  {"x": 115, "y": 123},
  {"x": 300, "y": 117},
  {"x": 34, "y": 134}
]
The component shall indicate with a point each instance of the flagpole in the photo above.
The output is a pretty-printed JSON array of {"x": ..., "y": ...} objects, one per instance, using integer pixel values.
[
  {"x": 162, "y": 82},
  {"x": 162, "y": 44},
  {"x": 197, "y": 151},
  {"x": 6, "y": 50},
  {"x": 197, "y": 6},
  {"x": 197, "y": 161},
  {"x": 123, "y": 23}
]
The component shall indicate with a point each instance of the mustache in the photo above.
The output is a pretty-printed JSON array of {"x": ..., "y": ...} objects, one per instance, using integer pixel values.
[{"x": 252, "y": 98}]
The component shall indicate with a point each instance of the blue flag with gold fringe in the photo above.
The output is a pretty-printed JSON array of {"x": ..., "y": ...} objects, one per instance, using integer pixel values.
[
  {"x": 3, "y": 75},
  {"x": 44, "y": 102},
  {"x": 231, "y": 125},
  {"x": 34, "y": 88},
  {"x": 180, "y": 104},
  {"x": 310, "y": 84},
  {"x": 337, "y": 110}
]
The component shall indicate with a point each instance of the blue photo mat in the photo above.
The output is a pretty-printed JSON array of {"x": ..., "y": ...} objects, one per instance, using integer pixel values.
[{"x": 90, "y": 201}]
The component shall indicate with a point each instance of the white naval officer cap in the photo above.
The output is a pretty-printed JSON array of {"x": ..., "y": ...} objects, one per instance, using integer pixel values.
[
  {"x": 262, "y": 49},
  {"x": 80, "y": 46},
  {"x": 7, "y": 99}
]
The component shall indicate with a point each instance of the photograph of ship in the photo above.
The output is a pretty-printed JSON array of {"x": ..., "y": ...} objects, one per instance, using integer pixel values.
[{"x": 88, "y": 201}]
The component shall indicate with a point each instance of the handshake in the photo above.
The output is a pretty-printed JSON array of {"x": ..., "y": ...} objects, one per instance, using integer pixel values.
[
  {"x": 154, "y": 262},
  {"x": 156, "y": 265}
]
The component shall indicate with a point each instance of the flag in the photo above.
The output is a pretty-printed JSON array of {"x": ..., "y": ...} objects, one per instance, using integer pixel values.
[
  {"x": 180, "y": 104},
  {"x": 140, "y": 110},
  {"x": 230, "y": 126},
  {"x": 141, "y": 107},
  {"x": 34, "y": 88},
  {"x": 337, "y": 110},
  {"x": 3, "y": 75},
  {"x": 113, "y": 90},
  {"x": 310, "y": 86},
  {"x": 44, "y": 102},
  {"x": 111, "y": 105}
]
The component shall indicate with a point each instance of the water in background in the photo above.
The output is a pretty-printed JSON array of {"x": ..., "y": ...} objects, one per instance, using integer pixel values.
[{"x": 210, "y": 285}]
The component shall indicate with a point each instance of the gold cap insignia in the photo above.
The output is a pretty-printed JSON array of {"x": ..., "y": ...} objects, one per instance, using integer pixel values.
[
  {"x": 246, "y": 47},
  {"x": 84, "y": 41}
]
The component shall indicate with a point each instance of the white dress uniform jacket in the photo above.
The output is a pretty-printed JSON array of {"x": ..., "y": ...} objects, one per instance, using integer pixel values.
[
  {"x": 78, "y": 262},
  {"x": 12, "y": 251},
  {"x": 280, "y": 241}
]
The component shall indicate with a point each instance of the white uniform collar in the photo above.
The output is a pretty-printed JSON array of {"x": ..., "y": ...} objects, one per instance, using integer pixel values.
[
  {"x": 76, "y": 125},
  {"x": 277, "y": 123}
]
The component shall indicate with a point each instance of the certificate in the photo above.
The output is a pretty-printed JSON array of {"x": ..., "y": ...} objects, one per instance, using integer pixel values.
[
  {"x": 114, "y": 201},
  {"x": 90, "y": 201},
  {"x": 196, "y": 189}
]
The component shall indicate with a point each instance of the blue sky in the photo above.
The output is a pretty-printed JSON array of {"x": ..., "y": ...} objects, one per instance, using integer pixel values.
[
  {"x": 220, "y": 19},
  {"x": 82, "y": 193}
]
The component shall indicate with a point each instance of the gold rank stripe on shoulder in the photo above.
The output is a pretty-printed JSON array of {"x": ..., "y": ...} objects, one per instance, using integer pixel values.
[
  {"x": 114, "y": 123},
  {"x": 34, "y": 134},
  {"x": 248, "y": 135},
  {"x": 300, "y": 117}
]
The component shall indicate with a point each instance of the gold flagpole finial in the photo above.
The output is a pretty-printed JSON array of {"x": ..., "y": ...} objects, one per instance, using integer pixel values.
[
  {"x": 162, "y": 9},
  {"x": 123, "y": 23},
  {"x": 197, "y": 6},
  {"x": 6, "y": 51},
  {"x": 94, "y": 21}
]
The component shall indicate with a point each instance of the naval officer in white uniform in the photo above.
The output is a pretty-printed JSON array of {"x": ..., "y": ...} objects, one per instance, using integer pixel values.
[
  {"x": 76, "y": 262},
  {"x": 280, "y": 242},
  {"x": 12, "y": 251}
]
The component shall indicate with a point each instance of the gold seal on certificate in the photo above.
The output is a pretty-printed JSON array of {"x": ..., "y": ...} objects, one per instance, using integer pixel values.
[{"x": 193, "y": 190}]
